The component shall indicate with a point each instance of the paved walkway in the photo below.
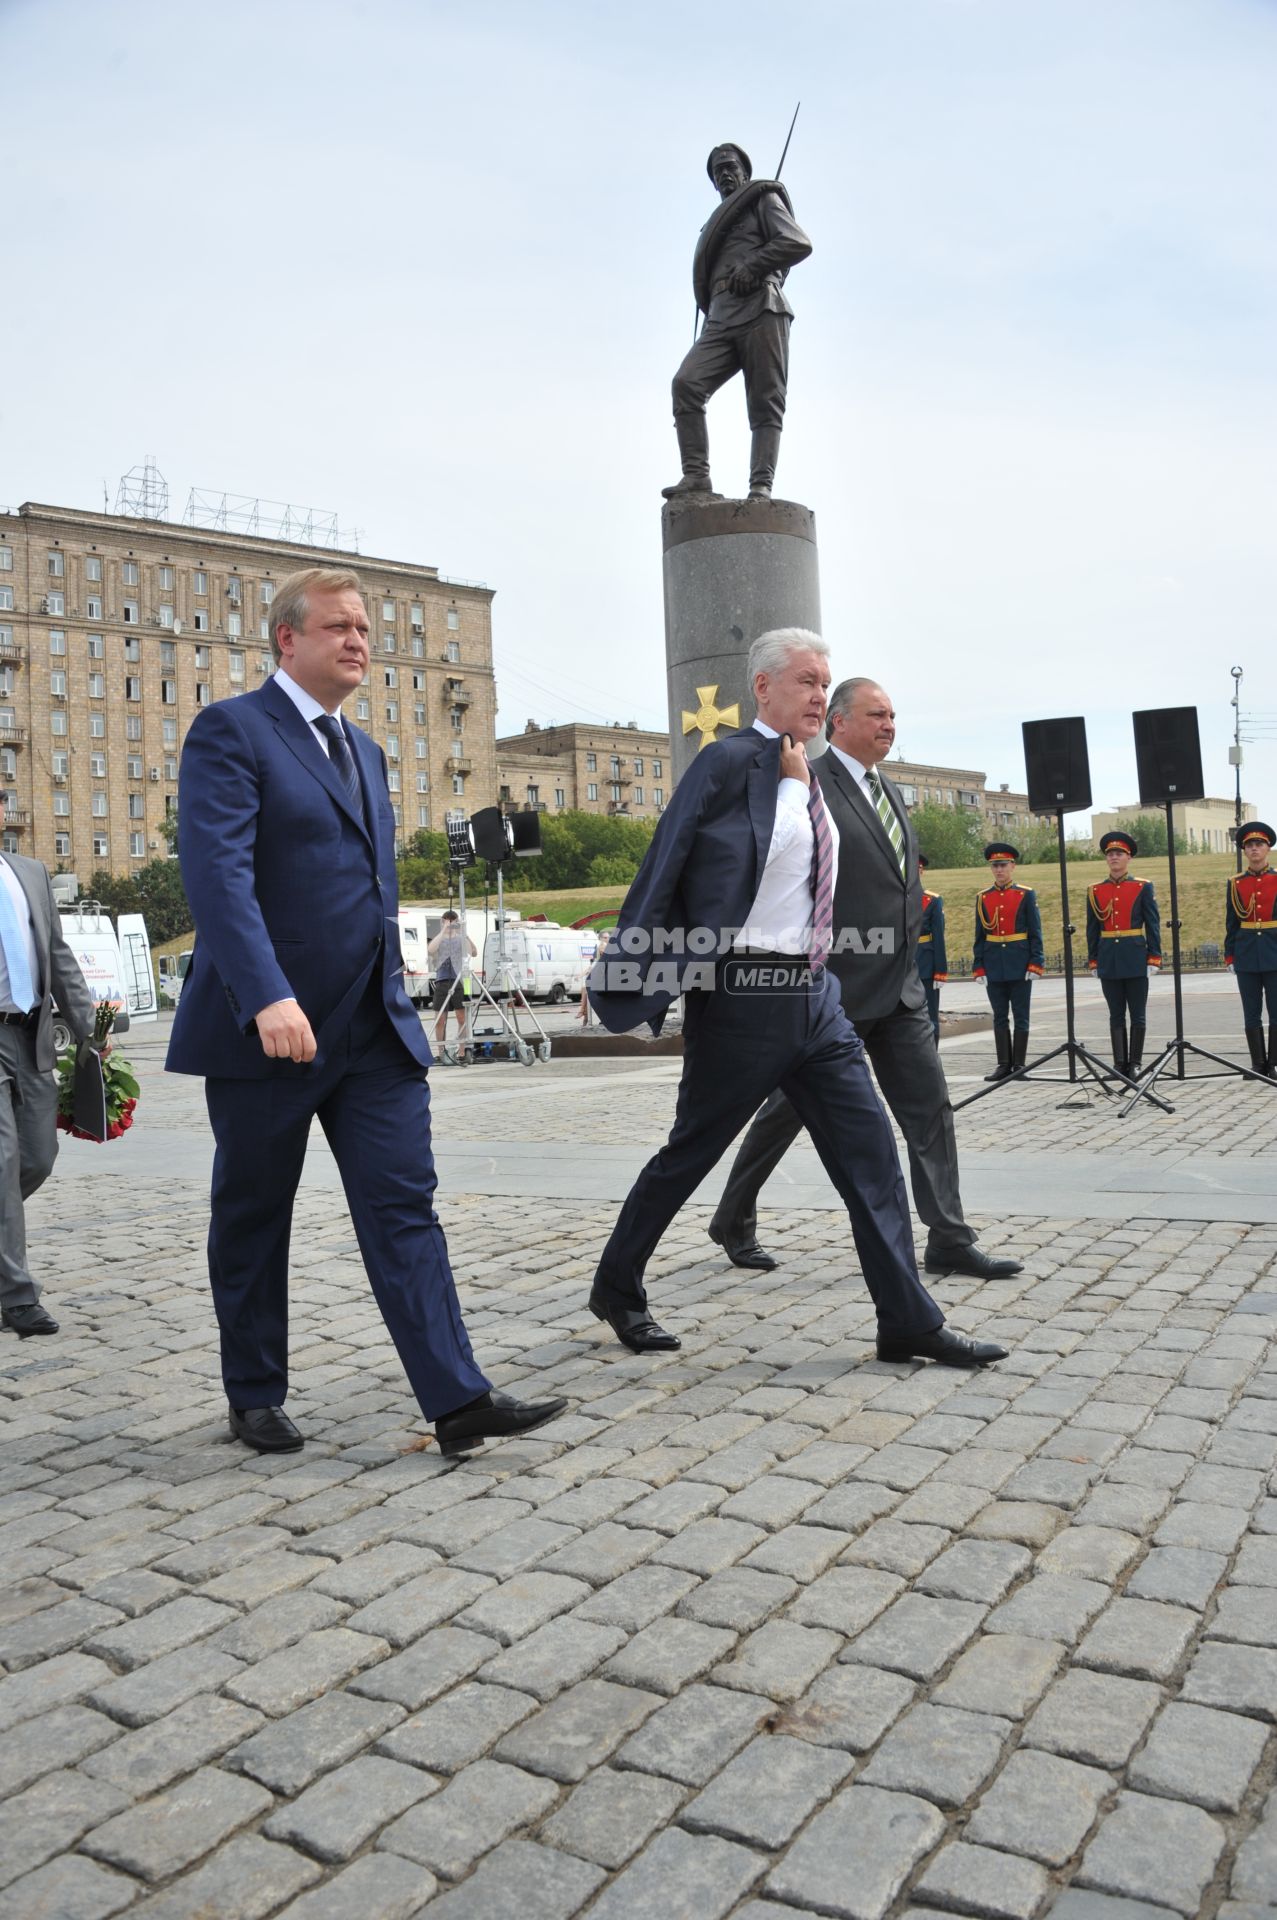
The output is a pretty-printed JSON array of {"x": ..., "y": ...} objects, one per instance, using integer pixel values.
[{"x": 764, "y": 1629}]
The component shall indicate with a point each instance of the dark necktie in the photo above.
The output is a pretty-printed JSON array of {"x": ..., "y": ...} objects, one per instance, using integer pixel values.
[
  {"x": 339, "y": 753},
  {"x": 822, "y": 877},
  {"x": 887, "y": 814}
]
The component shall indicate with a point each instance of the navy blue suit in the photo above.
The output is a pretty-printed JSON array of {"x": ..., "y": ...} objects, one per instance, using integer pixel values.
[
  {"x": 293, "y": 889},
  {"x": 698, "y": 880}
]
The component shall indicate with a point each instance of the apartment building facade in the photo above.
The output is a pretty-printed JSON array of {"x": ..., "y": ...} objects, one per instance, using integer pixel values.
[
  {"x": 966, "y": 790},
  {"x": 115, "y": 631},
  {"x": 617, "y": 769}
]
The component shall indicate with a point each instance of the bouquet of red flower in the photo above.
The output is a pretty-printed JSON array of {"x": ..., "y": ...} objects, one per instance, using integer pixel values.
[{"x": 108, "y": 1100}]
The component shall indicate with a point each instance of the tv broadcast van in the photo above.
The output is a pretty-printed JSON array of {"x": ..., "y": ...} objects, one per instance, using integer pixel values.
[{"x": 543, "y": 960}]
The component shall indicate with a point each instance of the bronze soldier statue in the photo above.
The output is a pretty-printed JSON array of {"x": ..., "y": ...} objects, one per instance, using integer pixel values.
[{"x": 744, "y": 252}]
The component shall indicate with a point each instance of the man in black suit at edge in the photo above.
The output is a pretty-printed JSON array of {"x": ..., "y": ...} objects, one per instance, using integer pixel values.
[
  {"x": 877, "y": 918},
  {"x": 742, "y": 868}
]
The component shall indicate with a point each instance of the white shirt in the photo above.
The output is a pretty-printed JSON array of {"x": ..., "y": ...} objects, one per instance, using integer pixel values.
[
  {"x": 779, "y": 921},
  {"x": 22, "y": 907},
  {"x": 310, "y": 710}
]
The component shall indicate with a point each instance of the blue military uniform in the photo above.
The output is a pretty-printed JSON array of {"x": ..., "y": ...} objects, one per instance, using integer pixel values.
[
  {"x": 1007, "y": 955},
  {"x": 1250, "y": 945},
  {"x": 930, "y": 957},
  {"x": 1123, "y": 940}
]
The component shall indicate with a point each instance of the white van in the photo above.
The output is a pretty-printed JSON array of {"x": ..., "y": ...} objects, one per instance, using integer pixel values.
[
  {"x": 114, "y": 969},
  {"x": 418, "y": 927},
  {"x": 543, "y": 960}
]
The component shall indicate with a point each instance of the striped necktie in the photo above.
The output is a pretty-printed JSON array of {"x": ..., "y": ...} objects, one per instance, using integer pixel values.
[
  {"x": 887, "y": 814},
  {"x": 343, "y": 760},
  {"x": 822, "y": 878}
]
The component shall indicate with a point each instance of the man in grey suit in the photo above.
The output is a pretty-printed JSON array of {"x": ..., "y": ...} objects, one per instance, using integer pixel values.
[
  {"x": 36, "y": 968},
  {"x": 877, "y": 916}
]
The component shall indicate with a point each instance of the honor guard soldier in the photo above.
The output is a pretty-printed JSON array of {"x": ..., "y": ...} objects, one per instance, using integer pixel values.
[
  {"x": 1123, "y": 941},
  {"x": 931, "y": 960},
  {"x": 1250, "y": 941},
  {"x": 1007, "y": 955}
]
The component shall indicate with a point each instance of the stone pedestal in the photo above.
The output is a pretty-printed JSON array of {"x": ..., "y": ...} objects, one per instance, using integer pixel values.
[{"x": 733, "y": 569}]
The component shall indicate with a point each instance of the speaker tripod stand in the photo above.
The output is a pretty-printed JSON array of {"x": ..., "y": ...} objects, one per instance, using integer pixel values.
[
  {"x": 1085, "y": 1069},
  {"x": 1173, "y": 1053}
]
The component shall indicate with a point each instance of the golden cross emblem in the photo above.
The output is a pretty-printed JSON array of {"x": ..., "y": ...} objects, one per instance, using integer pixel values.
[{"x": 708, "y": 718}]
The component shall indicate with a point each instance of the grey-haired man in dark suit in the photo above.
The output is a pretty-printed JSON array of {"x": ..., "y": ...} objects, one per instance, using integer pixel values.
[
  {"x": 37, "y": 967},
  {"x": 877, "y": 917}
]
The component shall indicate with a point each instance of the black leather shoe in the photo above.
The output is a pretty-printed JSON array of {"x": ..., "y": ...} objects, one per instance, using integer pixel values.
[
  {"x": 745, "y": 1255},
  {"x": 982, "y": 1266},
  {"x": 948, "y": 1348},
  {"x": 495, "y": 1417},
  {"x": 634, "y": 1327},
  {"x": 269, "y": 1429},
  {"x": 28, "y": 1320}
]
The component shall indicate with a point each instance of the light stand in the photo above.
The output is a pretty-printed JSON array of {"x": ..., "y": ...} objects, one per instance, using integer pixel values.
[
  {"x": 1175, "y": 1049},
  {"x": 492, "y": 837},
  {"x": 1075, "y": 1052}
]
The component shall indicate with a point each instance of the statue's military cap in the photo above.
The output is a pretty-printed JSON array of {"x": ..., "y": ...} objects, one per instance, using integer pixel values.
[{"x": 729, "y": 146}]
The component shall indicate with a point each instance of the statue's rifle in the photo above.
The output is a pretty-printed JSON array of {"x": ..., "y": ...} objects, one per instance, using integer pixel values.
[{"x": 696, "y": 318}]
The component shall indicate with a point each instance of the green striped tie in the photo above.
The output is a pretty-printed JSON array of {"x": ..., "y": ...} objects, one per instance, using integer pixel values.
[{"x": 887, "y": 814}]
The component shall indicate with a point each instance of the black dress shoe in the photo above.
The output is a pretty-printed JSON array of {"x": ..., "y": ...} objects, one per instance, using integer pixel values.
[
  {"x": 982, "y": 1266},
  {"x": 495, "y": 1417},
  {"x": 269, "y": 1429},
  {"x": 28, "y": 1320},
  {"x": 748, "y": 1254},
  {"x": 634, "y": 1327},
  {"x": 948, "y": 1348}
]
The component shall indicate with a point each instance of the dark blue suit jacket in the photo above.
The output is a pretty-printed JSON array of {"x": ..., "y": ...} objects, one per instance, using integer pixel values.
[
  {"x": 292, "y": 895},
  {"x": 702, "y": 871}
]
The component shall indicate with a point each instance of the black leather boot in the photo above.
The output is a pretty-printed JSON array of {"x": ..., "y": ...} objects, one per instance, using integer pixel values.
[
  {"x": 692, "y": 430},
  {"x": 1271, "y": 1064},
  {"x": 1137, "y": 1051},
  {"x": 764, "y": 448},
  {"x": 1002, "y": 1041},
  {"x": 1019, "y": 1047},
  {"x": 1255, "y": 1041},
  {"x": 1117, "y": 1040}
]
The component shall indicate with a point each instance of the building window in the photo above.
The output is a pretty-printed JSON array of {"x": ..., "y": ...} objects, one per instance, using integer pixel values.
[
  {"x": 166, "y": 579},
  {"x": 591, "y": 763},
  {"x": 592, "y": 791},
  {"x": 61, "y": 806},
  {"x": 170, "y": 767},
  {"x": 235, "y": 665},
  {"x": 97, "y": 686},
  {"x": 98, "y": 806},
  {"x": 133, "y": 648},
  {"x": 166, "y": 615},
  {"x": 658, "y": 796},
  {"x": 201, "y": 620},
  {"x": 558, "y": 796},
  {"x": 130, "y": 613},
  {"x": 62, "y": 846},
  {"x": 57, "y": 565},
  {"x": 137, "y": 846},
  {"x": 234, "y": 591},
  {"x": 392, "y": 746},
  {"x": 638, "y": 764},
  {"x": 534, "y": 796},
  {"x": 6, "y": 560},
  {"x": 458, "y": 783},
  {"x": 132, "y": 686},
  {"x": 134, "y": 766},
  {"x": 263, "y": 631},
  {"x": 200, "y": 583},
  {"x": 362, "y": 709},
  {"x": 101, "y": 846},
  {"x": 168, "y": 692},
  {"x": 638, "y": 796},
  {"x": 56, "y": 603},
  {"x": 168, "y": 653},
  {"x": 388, "y": 613},
  {"x": 388, "y": 642},
  {"x": 392, "y": 712},
  {"x": 454, "y": 652},
  {"x": 423, "y": 816},
  {"x": 423, "y": 783},
  {"x": 58, "y": 683},
  {"x": 97, "y": 647},
  {"x": 616, "y": 791},
  {"x": 203, "y": 659},
  {"x": 234, "y": 625},
  {"x": 968, "y": 799},
  {"x": 93, "y": 567},
  {"x": 266, "y": 592},
  {"x": 909, "y": 795},
  {"x": 129, "y": 573},
  {"x": 616, "y": 766},
  {"x": 391, "y": 675},
  {"x": 419, "y": 749},
  {"x": 454, "y": 619},
  {"x": 137, "y": 806},
  {"x": 97, "y": 766},
  {"x": 97, "y": 726},
  {"x": 6, "y": 636},
  {"x": 57, "y": 722},
  {"x": 6, "y": 599},
  {"x": 133, "y": 727},
  {"x": 203, "y": 693},
  {"x": 392, "y": 779},
  {"x": 417, "y": 615},
  {"x": 60, "y": 762},
  {"x": 93, "y": 607}
]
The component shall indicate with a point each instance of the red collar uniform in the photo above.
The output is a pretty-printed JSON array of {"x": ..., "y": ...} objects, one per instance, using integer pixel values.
[
  {"x": 1250, "y": 923},
  {"x": 1008, "y": 934},
  {"x": 932, "y": 960},
  {"x": 1123, "y": 929}
]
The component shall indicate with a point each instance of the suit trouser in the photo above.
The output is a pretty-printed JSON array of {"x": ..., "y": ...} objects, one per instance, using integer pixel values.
[
  {"x": 933, "y": 1009},
  {"x": 28, "y": 1149},
  {"x": 736, "y": 1048},
  {"x": 373, "y": 1103},
  {"x": 903, "y": 1054},
  {"x": 1125, "y": 997},
  {"x": 1007, "y": 998},
  {"x": 1254, "y": 989},
  {"x": 759, "y": 350}
]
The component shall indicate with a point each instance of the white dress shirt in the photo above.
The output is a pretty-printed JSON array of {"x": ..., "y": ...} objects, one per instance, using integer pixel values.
[
  {"x": 779, "y": 921},
  {"x": 310, "y": 710},
  {"x": 22, "y": 907}
]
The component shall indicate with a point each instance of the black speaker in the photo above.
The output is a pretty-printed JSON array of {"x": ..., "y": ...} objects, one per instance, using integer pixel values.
[
  {"x": 1168, "y": 755},
  {"x": 1055, "y": 760}
]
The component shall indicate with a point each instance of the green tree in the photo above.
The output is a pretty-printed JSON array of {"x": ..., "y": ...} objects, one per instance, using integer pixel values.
[
  {"x": 155, "y": 891},
  {"x": 949, "y": 836},
  {"x": 612, "y": 870}
]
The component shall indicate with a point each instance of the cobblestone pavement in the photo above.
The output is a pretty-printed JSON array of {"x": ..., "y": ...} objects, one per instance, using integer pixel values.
[{"x": 764, "y": 1628}]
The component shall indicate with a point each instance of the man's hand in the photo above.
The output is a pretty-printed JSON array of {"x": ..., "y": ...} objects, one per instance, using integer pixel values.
[
  {"x": 742, "y": 279},
  {"x": 793, "y": 761},
  {"x": 284, "y": 1032}
]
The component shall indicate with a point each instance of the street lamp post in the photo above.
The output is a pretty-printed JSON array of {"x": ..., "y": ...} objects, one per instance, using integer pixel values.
[{"x": 1235, "y": 756}]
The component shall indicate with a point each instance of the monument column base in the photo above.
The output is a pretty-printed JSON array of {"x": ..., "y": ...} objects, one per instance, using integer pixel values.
[{"x": 733, "y": 569}]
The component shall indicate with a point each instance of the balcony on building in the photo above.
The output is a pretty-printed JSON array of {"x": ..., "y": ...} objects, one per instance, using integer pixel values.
[
  {"x": 455, "y": 694},
  {"x": 12, "y": 652}
]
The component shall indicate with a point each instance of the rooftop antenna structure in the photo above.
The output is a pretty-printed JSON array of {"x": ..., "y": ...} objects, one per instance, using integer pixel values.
[
  {"x": 143, "y": 492},
  {"x": 261, "y": 519}
]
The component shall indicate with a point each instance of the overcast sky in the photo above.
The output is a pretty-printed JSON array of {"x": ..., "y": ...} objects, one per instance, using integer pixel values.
[{"x": 429, "y": 266}]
